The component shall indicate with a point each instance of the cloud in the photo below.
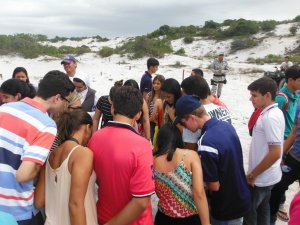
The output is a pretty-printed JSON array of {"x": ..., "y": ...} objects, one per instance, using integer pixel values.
[{"x": 128, "y": 18}]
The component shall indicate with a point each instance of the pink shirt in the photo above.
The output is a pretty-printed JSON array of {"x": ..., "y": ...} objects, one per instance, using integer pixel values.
[
  {"x": 123, "y": 163},
  {"x": 295, "y": 210}
]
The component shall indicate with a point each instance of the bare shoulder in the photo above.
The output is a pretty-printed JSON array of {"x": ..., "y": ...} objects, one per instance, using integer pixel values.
[{"x": 82, "y": 154}]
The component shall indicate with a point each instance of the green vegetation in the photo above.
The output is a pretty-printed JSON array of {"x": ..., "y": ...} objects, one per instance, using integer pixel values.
[
  {"x": 268, "y": 25},
  {"x": 293, "y": 30},
  {"x": 243, "y": 43},
  {"x": 177, "y": 65},
  {"x": 273, "y": 59},
  {"x": 180, "y": 51},
  {"x": 297, "y": 19},
  {"x": 106, "y": 51},
  {"x": 144, "y": 46},
  {"x": 28, "y": 46},
  {"x": 188, "y": 39}
]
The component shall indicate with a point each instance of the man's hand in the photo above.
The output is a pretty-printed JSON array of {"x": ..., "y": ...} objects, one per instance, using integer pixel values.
[{"x": 251, "y": 179}]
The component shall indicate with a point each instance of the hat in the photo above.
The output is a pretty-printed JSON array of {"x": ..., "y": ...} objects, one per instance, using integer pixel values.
[
  {"x": 83, "y": 77},
  {"x": 185, "y": 105},
  {"x": 68, "y": 59}
]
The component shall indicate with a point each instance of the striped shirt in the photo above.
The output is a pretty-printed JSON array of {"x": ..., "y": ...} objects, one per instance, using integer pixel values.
[
  {"x": 104, "y": 106},
  {"x": 26, "y": 134}
]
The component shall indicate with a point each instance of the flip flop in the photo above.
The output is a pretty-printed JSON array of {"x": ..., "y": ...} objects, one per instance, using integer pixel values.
[{"x": 282, "y": 215}]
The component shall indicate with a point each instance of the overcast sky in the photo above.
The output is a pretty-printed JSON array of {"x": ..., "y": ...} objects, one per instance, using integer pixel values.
[{"x": 113, "y": 18}]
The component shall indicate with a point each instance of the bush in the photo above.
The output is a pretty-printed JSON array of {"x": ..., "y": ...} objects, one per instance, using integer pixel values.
[
  {"x": 242, "y": 27},
  {"x": 100, "y": 39},
  {"x": 243, "y": 43},
  {"x": 211, "y": 24},
  {"x": 188, "y": 39},
  {"x": 181, "y": 52},
  {"x": 297, "y": 19},
  {"x": 144, "y": 46},
  {"x": 293, "y": 30},
  {"x": 57, "y": 39},
  {"x": 106, "y": 52},
  {"x": 268, "y": 25}
]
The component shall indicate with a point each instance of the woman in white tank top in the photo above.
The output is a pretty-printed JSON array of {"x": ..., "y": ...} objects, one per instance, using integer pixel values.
[{"x": 67, "y": 182}]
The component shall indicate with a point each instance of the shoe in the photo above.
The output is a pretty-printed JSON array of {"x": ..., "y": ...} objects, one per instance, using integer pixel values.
[{"x": 282, "y": 215}]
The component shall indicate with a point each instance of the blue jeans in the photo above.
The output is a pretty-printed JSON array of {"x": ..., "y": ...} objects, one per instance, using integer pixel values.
[
  {"x": 260, "y": 210},
  {"x": 238, "y": 221}
]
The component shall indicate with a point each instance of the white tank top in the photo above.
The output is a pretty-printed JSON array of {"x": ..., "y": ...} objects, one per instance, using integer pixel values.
[{"x": 58, "y": 186}]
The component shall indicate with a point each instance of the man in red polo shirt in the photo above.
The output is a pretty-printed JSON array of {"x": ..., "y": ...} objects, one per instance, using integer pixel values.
[{"x": 123, "y": 164}]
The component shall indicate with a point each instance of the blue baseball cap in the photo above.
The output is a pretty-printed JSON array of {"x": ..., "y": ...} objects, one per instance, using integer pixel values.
[
  {"x": 68, "y": 59},
  {"x": 185, "y": 105}
]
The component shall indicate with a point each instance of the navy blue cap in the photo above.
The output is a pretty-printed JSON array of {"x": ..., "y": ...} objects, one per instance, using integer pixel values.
[
  {"x": 68, "y": 59},
  {"x": 185, "y": 105}
]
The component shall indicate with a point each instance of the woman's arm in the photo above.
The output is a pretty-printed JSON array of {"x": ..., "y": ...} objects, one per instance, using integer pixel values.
[
  {"x": 96, "y": 119},
  {"x": 81, "y": 168},
  {"x": 146, "y": 120},
  {"x": 198, "y": 188},
  {"x": 40, "y": 192}
]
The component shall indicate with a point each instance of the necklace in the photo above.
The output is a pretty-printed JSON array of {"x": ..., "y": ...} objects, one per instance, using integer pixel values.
[{"x": 73, "y": 139}]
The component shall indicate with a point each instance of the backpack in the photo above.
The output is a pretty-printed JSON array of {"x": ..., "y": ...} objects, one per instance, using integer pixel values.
[{"x": 286, "y": 99}]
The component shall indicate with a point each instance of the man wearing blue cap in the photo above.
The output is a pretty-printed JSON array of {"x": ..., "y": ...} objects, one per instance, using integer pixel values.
[
  {"x": 222, "y": 162},
  {"x": 70, "y": 65}
]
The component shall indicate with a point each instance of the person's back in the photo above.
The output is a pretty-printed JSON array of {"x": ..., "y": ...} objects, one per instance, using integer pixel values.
[
  {"x": 22, "y": 122},
  {"x": 233, "y": 198},
  {"x": 26, "y": 135},
  {"x": 115, "y": 165},
  {"x": 58, "y": 187},
  {"x": 123, "y": 164}
]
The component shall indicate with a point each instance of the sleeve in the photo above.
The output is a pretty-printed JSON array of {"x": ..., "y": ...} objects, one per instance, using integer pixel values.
[
  {"x": 100, "y": 103},
  {"x": 142, "y": 179},
  {"x": 281, "y": 101},
  {"x": 226, "y": 66},
  {"x": 274, "y": 130},
  {"x": 209, "y": 161},
  {"x": 37, "y": 151},
  {"x": 146, "y": 85}
]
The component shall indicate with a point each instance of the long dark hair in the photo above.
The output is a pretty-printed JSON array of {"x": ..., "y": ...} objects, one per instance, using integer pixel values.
[
  {"x": 168, "y": 139},
  {"x": 69, "y": 122},
  {"x": 20, "y": 69},
  {"x": 161, "y": 79},
  {"x": 172, "y": 86}
]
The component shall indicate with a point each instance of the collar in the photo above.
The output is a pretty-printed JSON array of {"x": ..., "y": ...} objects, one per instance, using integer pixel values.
[
  {"x": 274, "y": 105},
  {"x": 209, "y": 123},
  {"x": 291, "y": 95},
  {"x": 148, "y": 74},
  {"x": 35, "y": 104},
  {"x": 122, "y": 125}
]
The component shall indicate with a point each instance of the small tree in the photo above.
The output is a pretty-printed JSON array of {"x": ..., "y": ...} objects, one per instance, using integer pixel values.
[
  {"x": 293, "y": 30},
  {"x": 106, "y": 51},
  {"x": 188, "y": 40}
]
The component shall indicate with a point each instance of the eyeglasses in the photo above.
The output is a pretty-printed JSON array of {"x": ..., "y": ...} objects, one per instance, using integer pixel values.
[
  {"x": 76, "y": 107},
  {"x": 63, "y": 98}
]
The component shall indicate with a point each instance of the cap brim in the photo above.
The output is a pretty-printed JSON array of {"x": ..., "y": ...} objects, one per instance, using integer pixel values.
[{"x": 66, "y": 61}]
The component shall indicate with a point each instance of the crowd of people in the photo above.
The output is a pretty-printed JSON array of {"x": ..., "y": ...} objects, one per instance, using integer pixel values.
[{"x": 70, "y": 157}]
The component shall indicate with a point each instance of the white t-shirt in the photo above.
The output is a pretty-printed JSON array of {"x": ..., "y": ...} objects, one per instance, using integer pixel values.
[
  {"x": 213, "y": 110},
  {"x": 268, "y": 130}
]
